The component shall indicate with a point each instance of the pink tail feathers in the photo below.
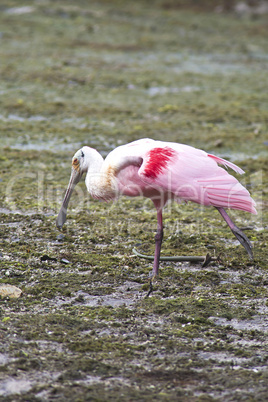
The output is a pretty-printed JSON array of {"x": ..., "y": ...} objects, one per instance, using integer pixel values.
[
  {"x": 234, "y": 196},
  {"x": 231, "y": 192}
]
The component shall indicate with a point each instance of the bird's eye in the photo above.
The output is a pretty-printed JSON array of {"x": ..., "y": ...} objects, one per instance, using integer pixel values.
[
  {"x": 82, "y": 154},
  {"x": 75, "y": 161}
]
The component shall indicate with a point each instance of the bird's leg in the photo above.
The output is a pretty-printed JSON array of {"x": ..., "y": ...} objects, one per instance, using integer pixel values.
[
  {"x": 236, "y": 231},
  {"x": 158, "y": 243}
]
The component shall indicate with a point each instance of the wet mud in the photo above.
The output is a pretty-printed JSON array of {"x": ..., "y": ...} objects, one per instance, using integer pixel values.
[{"x": 103, "y": 74}]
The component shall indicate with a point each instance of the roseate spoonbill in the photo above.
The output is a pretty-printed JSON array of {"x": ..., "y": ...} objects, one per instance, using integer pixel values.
[{"x": 161, "y": 171}]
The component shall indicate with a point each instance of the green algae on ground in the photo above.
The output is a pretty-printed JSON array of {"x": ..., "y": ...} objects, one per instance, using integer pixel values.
[{"x": 104, "y": 74}]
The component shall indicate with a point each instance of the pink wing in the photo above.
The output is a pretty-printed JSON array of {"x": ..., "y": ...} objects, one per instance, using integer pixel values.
[{"x": 191, "y": 174}]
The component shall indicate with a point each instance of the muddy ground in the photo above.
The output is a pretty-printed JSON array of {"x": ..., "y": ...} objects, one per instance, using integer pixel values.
[{"x": 102, "y": 74}]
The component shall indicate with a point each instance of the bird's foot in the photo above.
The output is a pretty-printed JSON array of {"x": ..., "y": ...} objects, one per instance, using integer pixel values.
[
  {"x": 150, "y": 290},
  {"x": 152, "y": 276},
  {"x": 243, "y": 240}
]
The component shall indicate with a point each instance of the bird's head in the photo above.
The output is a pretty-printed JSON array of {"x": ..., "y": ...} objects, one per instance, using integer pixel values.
[
  {"x": 84, "y": 159},
  {"x": 80, "y": 160}
]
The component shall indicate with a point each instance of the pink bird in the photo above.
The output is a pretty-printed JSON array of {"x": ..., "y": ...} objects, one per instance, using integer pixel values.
[{"x": 161, "y": 171}]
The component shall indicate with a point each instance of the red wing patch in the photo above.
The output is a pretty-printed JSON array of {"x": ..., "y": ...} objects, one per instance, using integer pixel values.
[{"x": 158, "y": 159}]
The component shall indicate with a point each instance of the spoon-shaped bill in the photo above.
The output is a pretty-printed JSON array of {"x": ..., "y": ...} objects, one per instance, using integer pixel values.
[{"x": 74, "y": 179}]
